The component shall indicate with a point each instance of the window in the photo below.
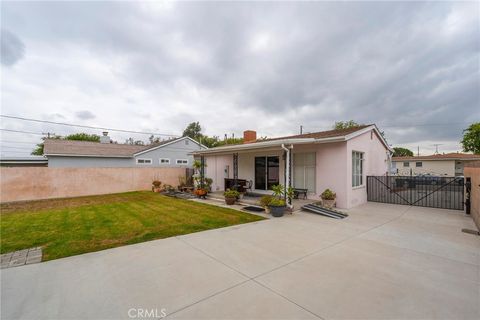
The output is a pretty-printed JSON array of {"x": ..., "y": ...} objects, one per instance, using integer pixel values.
[
  {"x": 164, "y": 161},
  {"x": 406, "y": 164},
  {"x": 357, "y": 169},
  {"x": 418, "y": 164},
  {"x": 304, "y": 172},
  {"x": 182, "y": 161},
  {"x": 144, "y": 161}
]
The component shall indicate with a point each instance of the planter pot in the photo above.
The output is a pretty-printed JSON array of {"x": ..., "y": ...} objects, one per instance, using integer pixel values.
[
  {"x": 328, "y": 203},
  {"x": 230, "y": 201},
  {"x": 277, "y": 211},
  {"x": 156, "y": 189}
]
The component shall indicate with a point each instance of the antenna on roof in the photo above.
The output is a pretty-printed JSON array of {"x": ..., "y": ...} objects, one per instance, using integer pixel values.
[{"x": 436, "y": 147}]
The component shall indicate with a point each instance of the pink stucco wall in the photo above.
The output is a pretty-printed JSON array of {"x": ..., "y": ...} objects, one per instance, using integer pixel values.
[
  {"x": 333, "y": 166},
  {"x": 33, "y": 183}
]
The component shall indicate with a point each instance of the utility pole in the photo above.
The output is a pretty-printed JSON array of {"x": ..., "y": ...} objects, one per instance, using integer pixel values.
[
  {"x": 436, "y": 147},
  {"x": 48, "y": 134},
  {"x": 418, "y": 151},
  {"x": 301, "y": 129}
]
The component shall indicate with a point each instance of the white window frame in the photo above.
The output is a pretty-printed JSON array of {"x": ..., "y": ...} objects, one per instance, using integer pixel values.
[
  {"x": 144, "y": 159},
  {"x": 354, "y": 165},
  {"x": 183, "y": 163},
  {"x": 161, "y": 159}
]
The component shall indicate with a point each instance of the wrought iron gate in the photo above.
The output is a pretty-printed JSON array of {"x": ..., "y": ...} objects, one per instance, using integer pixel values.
[{"x": 434, "y": 192}]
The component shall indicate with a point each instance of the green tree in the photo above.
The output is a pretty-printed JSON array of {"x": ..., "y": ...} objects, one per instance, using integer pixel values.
[
  {"x": 402, "y": 152},
  {"x": 471, "y": 138},
  {"x": 193, "y": 130},
  {"x": 83, "y": 137},
  {"x": 346, "y": 124}
]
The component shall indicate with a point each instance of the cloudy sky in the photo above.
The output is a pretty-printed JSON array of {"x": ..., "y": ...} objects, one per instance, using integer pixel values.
[{"x": 411, "y": 68}]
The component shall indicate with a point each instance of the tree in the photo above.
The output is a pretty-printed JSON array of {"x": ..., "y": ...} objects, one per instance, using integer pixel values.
[
  {"x": 134, "y": 142},
  {"x": 471, "y": 138},
  {"x": 83, "y": 137},
  {"x": 402, "y": 152},
  {"x": 193, "y": 130},
  {"x": 346, "y": 125}
]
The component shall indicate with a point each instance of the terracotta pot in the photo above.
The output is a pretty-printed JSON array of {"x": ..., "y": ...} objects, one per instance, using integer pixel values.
[
  {"x": 230, "y": 201},
  {"x": 328, "y": 203}
]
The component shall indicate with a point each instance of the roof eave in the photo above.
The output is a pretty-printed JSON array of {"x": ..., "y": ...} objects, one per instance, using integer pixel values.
[{"x": 84, "y": 155}]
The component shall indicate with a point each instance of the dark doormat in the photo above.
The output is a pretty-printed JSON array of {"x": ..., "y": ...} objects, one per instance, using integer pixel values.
[{"x": 253, "y": 209}]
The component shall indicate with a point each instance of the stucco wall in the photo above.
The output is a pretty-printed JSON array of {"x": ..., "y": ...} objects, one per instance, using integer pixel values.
[
  {"x": 174, "y": 151},
  {"x": 375, "y": 163},
  {"x": 437, "y": 167},
  {"x": 472, "y": 171},
  {"x": 42, "y": 183}
]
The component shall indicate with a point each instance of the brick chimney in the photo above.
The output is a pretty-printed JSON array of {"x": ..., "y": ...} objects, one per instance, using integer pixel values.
[{"x": 249, "y": 136}]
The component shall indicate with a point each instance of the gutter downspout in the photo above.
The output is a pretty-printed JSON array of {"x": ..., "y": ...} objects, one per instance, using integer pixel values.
[{"x": 287, "y": 173}]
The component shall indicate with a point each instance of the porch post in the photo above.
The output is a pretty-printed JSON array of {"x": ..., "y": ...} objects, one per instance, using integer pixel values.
[
  {"x": 202, "y": 172},
  {"x": 288, "y": 175},
  {"x": 235, "y": 171}
]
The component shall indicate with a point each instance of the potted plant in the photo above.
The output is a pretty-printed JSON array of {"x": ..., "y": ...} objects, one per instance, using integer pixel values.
[
  {"x": 231, "y": 196},
  {"x": 156, "y": 186},
  {"x": 200, "y": 192},
  {"x": 328, "y": 198},
  {"x": 265, "y": 201},
  {"x": 208, "y": 184},
  {"x": 277, "y": 205}
]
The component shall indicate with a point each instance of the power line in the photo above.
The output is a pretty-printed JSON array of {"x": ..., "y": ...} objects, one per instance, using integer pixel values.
[
  {"x": 23, "y": 142},
  {"x": 21, "y": 131},
  {"x": 88, "y": 127}
]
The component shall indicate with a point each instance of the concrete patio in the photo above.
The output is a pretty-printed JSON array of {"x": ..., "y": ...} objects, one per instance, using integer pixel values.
[{"x": 383, "y": 261}]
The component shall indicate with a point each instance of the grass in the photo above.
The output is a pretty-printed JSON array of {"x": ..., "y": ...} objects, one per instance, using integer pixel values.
[{"x": 66, "y": 227}]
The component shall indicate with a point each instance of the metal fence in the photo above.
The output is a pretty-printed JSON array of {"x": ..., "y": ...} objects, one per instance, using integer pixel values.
[{"x": 434, "y": 192}]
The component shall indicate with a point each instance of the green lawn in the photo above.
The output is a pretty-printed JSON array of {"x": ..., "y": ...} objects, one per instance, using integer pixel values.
[{"x": 66, "y": 227}]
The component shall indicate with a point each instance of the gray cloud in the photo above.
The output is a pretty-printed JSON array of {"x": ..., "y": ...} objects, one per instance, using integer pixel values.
[
  {"x": 84, "y": 115},
  {"x": 273, "y": 66},
  {"x": 12, "y": 48}
]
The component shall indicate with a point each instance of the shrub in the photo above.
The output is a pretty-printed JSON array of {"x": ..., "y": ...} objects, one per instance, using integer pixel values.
[
  {"x": 231, "y": 194},
  {"x": 265, "y": 200},
  {"x": 156, "y": 183},
  {"x": 277, "y": 203},
  {"x": 328, "y": 195}
]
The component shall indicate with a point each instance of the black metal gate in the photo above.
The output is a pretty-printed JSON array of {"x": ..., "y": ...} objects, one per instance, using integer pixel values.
[{"x": 434, "y": 192}]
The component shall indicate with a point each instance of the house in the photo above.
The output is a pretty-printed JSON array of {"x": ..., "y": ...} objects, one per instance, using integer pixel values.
[
  {"x": 337, "y": 159},
  {"x": 449, "y": 164},
  {"x": 168, "y": 153},
  {"x": 28, "y": 161}
]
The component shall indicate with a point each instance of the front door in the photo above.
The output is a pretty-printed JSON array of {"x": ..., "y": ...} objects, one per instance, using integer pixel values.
[{"x": 267, "y": 172}]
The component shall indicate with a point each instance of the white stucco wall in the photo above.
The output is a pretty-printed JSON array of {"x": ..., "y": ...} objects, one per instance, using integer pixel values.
[{"x": 433, "y": 167}]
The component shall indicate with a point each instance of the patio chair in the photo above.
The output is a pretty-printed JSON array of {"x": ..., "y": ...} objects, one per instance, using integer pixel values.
[{"x": 248, "y": 186}]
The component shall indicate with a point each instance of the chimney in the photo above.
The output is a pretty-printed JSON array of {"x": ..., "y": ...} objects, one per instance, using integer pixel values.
[
  {"x": 249, "y": 136},
  {"x": 105, "y": 138}
]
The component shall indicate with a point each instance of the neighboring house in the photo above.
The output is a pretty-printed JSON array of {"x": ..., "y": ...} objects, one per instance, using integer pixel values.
[
  {"x": 103, "y": 154},
  {"x": 449, "y": 164},
  {"x": 337, "y": 159},
  {"x": 29, "y": 161}
]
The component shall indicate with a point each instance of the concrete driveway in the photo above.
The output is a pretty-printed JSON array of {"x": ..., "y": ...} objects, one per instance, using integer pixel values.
[{"x": 384, "y": 261}]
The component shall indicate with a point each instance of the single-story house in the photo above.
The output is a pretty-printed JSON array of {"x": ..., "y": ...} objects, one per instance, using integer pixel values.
[
  {"x": 337, "y": 159},
  {"x": 28, "y": 161},
  {"x": 169, "y": 153},
  {"x": 449, "y": 164}
]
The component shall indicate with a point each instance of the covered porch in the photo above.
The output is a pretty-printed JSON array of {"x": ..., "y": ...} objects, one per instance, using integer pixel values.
[{"x": 256, "y": 168}]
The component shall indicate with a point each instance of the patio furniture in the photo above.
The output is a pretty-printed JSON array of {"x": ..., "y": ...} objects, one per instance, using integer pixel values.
[
  {"x": 240, "y": 186},
  {"x": 299, "y": 191},
  {"x": 248, "y": 187}
]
